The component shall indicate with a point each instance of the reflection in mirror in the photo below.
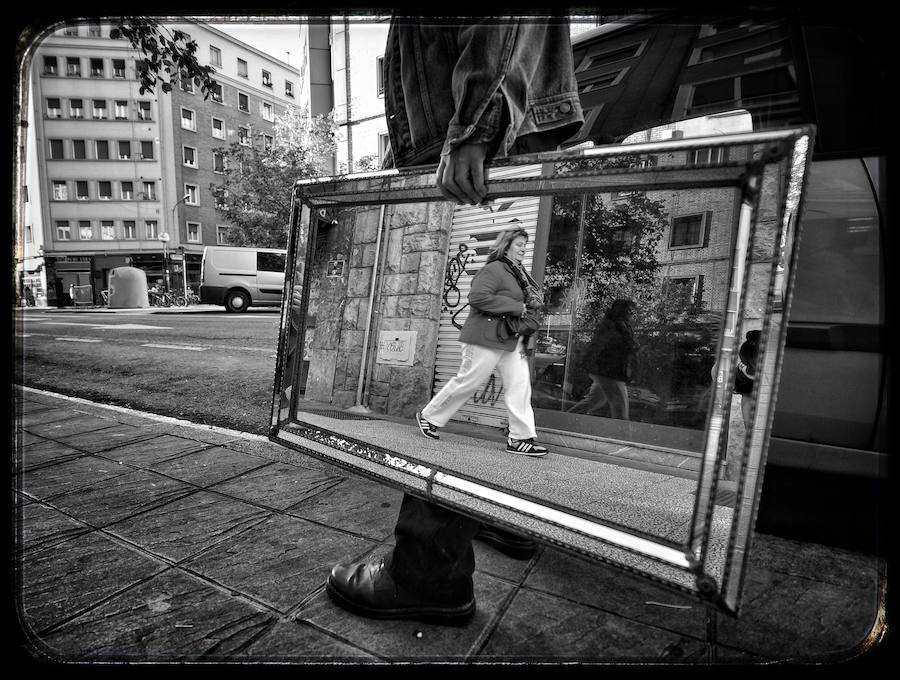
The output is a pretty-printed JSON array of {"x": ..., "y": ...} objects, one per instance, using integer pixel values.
[{"x": 657, "y": 261}]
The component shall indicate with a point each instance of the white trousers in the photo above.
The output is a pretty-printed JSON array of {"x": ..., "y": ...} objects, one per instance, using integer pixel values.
[{"x": 475, "y": 368}]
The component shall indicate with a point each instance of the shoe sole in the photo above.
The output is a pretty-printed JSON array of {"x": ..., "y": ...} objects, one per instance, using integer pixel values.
[
  {"x": 533, "y": 454},
  {"x": 454, "y": 616},
  {"x": 425, "y": 430}
]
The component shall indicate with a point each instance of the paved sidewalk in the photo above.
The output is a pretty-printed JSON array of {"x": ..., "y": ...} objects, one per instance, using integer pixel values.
[{"x": 144, "y": 539}]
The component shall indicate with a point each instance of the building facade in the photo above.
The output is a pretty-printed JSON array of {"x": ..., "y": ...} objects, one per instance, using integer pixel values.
[{"x": 122, "y": 178}]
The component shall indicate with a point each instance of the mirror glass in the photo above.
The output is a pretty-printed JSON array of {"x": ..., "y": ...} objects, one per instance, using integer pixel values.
[{"x": 664, "y": 265}]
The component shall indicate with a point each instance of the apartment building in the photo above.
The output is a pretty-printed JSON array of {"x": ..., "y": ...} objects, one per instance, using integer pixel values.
[{"x": 123, "y": 178}]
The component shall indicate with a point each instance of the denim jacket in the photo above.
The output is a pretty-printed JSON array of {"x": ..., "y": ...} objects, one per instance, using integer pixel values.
[{"x": 478, "y": 81}]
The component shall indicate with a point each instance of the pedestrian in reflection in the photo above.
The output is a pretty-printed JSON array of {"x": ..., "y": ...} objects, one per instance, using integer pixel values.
[
  {"x": 458, "y": 95},
  {"x": 610, "y": 356},
  {"x": 501, "y": 287}
]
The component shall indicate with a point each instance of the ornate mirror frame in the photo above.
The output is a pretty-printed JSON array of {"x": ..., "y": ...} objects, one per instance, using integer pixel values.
[{"x": 708, "y": 561}]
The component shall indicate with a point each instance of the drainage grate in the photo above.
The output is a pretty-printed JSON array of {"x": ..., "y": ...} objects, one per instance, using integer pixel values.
[{"x": 331, "y": 413}]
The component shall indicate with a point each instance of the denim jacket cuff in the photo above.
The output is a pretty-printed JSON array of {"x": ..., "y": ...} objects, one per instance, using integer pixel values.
[{"x": 484, "y": 131}]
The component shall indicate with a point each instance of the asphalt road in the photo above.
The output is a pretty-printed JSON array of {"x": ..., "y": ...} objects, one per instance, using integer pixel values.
[{"x": 210, "y": 367}]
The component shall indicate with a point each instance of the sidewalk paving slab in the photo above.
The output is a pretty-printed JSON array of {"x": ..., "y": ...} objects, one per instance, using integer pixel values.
[{"x": 182, "y": 542}]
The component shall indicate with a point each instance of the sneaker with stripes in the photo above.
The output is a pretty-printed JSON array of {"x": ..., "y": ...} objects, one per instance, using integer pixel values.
[
  {"x": 427, "y": 428},
  {"x": 525, "y": 447}
]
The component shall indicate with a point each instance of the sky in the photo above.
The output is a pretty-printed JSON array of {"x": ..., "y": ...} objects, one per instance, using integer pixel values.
[{"x": 274, "y": 38}]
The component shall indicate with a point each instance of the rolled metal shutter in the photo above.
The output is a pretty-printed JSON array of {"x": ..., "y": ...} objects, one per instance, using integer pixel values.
[{"x": 473, "y": 231}]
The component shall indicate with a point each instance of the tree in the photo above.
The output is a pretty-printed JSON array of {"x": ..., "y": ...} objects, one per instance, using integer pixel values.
[
  {"x": 169, "y": 57},
  {"x": 255, "y": 197}
]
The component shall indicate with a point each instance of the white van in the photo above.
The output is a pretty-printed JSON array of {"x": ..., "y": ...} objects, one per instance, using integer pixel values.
[{"x": 238, "y": 278}]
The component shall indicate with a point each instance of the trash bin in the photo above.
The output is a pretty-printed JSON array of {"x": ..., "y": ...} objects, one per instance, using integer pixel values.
[{"x": 127, "y": 288}]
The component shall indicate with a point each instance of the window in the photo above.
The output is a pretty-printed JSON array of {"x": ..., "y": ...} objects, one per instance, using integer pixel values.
[
  {"x": 93, "y": 30},
  {"x": 688, "y": 231},
  {"x": 244, "y": 136},
  {"x": 81, "y": 190},
  {"x": 51, "y": 66},
  {"x": 602, "y": 80},
  {"x": 215, "y": 56},
  {"x": 107, "y": 230},
  {"x": 187, "y": 85},
  {"x": 129, "y": 230},
  {"x": 217, "y": 93},
  {"x": 684, "y": 291},
  {"x": 53, "y": 108},
  {"x": 189, "y": 156},
  {"x": 63, "y": 231},
  {"x": 267, "y": 111},
  {"x": 243, "y": 102},
  {"x": 124, "y": 149},
  {"x": 96, "y": 68},
  {"x": 85, "y": 230},
  {"x": 270, "y": 262},
  {"x": 288, "y": 88},
  {"x": 146, "y": 150},
  {"x": 218, "y": 128},
  {"x": 78, "y": 149},
  {"x": 144, "y": 112},
  {"x": 60, "y": 191},
  {"x": 121, "y": 110},
  {"x": 187, "y": 119},
  {"x": 149, "y": 191},
  {"x": 193, "y": 232},
  {"x": 384, "y": 145},
  {"x": 709, "y": 156},
  {"x": 76, "y": 108},
  {"x": 192, "y": 191},
  {"x": 56, "y": 149},
  {"x": 151, "y": 228},
  {"x": 73, "y": 67},
  {"x": 242, "y": 68},
  {"x": 99, "y": 108},
  {"x": 102, "y": 150},
  {"x": 218, "y": 161},
  {"x": 118, "y": 68},
  {"x": 104, "y": 190},
  {"x": 29, "y": 237},
  {"x": 221, "y": 198},
  {"x": 71, "y": 28},
  {"x": 379, "y": 76},
  {"x": 221, "y": 235},
  {"x": 127, "y": 191},
  {"x": 266, "y": 78},
  {"x": 268, "y": 141}
]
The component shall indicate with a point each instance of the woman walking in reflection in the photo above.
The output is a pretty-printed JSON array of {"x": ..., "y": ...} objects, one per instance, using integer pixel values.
[
  {"x": 608, "y": 363},
  {"x": 501, "y": 287}
]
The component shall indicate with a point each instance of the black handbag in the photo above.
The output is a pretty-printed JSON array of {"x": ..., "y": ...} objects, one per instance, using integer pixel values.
[{"x": 516, "y": 326}]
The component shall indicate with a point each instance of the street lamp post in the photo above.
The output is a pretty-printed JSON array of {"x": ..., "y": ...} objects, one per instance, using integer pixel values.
[
  {"x": 165, "y": 250},
  {"x": 164, "y": 237}
]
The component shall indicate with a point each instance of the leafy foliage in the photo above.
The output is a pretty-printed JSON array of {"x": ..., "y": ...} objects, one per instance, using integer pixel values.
[
  {"x": 169, "y": 57},
  {"x": 255, "y": 197}
]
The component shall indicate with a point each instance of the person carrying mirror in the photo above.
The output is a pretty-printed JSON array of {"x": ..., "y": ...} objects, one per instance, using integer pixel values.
[{"x": 458, "y": 94}]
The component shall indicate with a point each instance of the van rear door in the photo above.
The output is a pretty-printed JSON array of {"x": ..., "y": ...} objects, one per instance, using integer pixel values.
[{"x": 270, "y": 275}]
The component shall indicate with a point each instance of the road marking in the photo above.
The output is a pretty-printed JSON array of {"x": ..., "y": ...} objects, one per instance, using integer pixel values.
[
  {"x": 79, "y": 340},
  {"x": 244, "y": 349},
  {"x": 108, "y": 326},
  {"x": 192, "y": 348}
]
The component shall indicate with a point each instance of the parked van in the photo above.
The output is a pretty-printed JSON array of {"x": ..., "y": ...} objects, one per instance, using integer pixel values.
[{"x": 238, "y": 278}]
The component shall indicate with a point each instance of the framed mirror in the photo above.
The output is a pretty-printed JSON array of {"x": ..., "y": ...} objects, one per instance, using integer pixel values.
[{"x": 660, "y": 476}]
